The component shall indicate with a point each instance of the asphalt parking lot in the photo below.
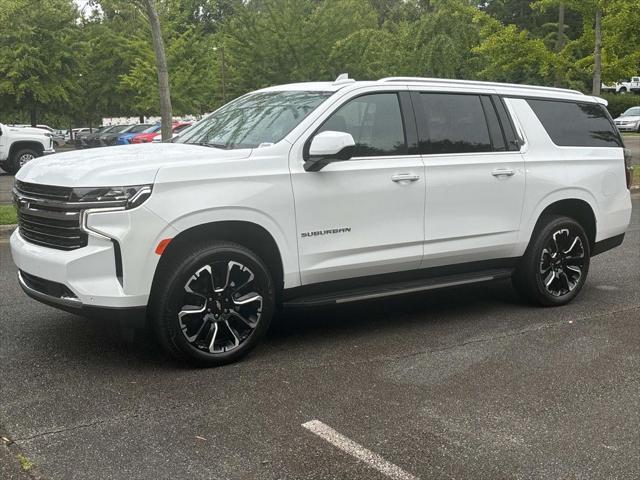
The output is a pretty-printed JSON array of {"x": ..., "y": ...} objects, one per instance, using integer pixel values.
[{"x": 468, "y": 383}]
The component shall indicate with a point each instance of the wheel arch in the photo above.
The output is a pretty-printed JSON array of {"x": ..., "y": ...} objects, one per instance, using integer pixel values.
[
  {"x": 248, "y": 234},
  {"x": 578, "y": 209},
  {"x": 19, "y": 145}
]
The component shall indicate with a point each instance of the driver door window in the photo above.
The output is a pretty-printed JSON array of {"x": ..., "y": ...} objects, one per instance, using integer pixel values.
[{"x": 375, "y": 123}]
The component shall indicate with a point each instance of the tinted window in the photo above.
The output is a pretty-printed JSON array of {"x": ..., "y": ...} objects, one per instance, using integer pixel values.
[
  {"x": 497, "y": 139},
  {"x": 572, "y": 124},
  {"x": 453, "y": 124},
  {"x": 374, "y": 121}
]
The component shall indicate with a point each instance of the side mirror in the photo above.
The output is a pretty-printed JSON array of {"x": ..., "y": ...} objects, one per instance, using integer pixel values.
[{"x": 327, "y": 147}]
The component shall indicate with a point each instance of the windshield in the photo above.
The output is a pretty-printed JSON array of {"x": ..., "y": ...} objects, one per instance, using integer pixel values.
[
  {"x": 632, "y": 112},
  {"x": 120, "y": 129},
  {"x": 138, "y": 128},
  {"x": 256, "y": 119},
  {"x": 151, "y": 129}
]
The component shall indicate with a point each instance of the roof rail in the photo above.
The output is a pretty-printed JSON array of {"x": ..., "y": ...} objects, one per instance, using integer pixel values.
[{"x": 478, "y": 83}]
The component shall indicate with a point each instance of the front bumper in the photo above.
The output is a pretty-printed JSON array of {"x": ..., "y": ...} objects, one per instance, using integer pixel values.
[
  {"x": 95, "y": 276},
  {"x": 630, "y": 127}
]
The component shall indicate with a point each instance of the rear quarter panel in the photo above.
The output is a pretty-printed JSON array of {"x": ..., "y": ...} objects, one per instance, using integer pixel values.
[{"x": 595, "y": 175}]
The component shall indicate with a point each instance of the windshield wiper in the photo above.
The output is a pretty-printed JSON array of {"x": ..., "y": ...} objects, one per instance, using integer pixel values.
[{"x": 222, "y": 146}]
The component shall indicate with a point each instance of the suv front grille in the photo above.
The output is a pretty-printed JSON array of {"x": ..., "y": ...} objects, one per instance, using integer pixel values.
[{"x": 46, "y": 217}]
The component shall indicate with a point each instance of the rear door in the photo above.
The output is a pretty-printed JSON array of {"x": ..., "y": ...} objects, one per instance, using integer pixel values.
[
  {"x": 363, "y": 216},
  {"x": 475, "y": 177}
]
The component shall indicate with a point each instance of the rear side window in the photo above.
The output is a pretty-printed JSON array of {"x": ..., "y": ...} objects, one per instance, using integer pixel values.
[
  {"x": 571, "y": 124},
  {"x": 374, "y": 121},
  {"x": 453, "y": 123}
]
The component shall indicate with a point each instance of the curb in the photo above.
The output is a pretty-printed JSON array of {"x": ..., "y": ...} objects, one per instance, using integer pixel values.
[{"x": 6, "y": 231}]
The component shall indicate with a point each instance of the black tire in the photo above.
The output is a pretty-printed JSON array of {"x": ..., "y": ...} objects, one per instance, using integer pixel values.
[
  {"x": 232, "y": 337},
  {"x": 550, "y": 278},
  {"x": 17, "y": 162},
  {"x": 9, "y": 167}
]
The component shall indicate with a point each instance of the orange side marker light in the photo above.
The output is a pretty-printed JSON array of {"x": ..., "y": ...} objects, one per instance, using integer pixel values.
[{"x": 163, "y": 245}]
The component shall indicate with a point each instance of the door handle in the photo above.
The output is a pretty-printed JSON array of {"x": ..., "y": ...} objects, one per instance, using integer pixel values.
[
  {"x": 503, "y": 172},
  {"x": 405, "y": 177}
]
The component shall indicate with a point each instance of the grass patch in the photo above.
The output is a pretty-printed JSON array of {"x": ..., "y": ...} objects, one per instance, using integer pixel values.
[
  {"x": 635, "y": 179},
  {"x": 25, "y": 463},
  {"x": 8, "y": 215}
]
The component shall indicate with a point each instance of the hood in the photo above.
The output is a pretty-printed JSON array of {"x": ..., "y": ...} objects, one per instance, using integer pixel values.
[
  {"x": 118, "y": 166},
  {"x": 29, "y": 130}
]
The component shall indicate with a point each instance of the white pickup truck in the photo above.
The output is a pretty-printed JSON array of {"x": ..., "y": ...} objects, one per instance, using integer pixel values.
[
  {"x": 623, "y": 87},
  {"x": 20, "y": 145}
]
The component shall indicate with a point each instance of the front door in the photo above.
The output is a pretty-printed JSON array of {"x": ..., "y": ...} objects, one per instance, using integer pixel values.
[{"x": 363, "y": 216}]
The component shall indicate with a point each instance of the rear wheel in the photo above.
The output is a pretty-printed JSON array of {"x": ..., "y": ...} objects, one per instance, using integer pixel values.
[
  {"x": 215, "y": 305},
  {"x": 556, "y": 263}
]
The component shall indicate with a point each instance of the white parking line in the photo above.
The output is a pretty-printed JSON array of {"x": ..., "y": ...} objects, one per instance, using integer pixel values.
[{"x": 358, "y": 451}]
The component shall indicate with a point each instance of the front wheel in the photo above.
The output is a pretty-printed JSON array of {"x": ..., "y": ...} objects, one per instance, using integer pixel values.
[
  {"x": 215, "y": 305},
  {"x": 556, "y": 263},
  {"x": 20, "y": 159}
]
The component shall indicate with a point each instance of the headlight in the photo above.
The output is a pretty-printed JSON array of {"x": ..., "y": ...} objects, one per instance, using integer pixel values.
[{"x": 109, "y": 197}]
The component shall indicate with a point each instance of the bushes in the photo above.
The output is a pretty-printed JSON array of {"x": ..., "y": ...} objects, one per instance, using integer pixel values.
[{"x": 619, "y": 103}]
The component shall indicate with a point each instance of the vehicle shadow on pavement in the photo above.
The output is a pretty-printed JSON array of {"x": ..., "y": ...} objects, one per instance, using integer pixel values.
[
  {"x": 99, "y": 341},
  {"x": 393, "y": 313}
]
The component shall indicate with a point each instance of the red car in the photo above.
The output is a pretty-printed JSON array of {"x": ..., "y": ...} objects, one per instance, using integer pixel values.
[{"x": 147, "y": 135}]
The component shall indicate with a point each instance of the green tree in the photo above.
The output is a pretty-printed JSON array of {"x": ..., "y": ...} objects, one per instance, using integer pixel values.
[{"x": 37, "y": 63}]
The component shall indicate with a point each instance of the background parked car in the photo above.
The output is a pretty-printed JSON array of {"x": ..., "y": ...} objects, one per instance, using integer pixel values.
[
  {"x": 93, "y": 139},
  {"x": 84, "y": 138},
  {"x": 109, "y": 138},
  {"x": 125, "y": 137},
  {"x": 629, "y": 121},
  {"x": 56, "y": 135},
  {"x": 147, "y": 135},
  {"x": 19, "y": 145},
  {"x": 176, "y": 129}
]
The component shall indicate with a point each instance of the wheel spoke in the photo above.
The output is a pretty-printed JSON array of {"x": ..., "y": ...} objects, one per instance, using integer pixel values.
[
  {"x": 576, "y": 242},
  {"x": 246, "y": 321},
  {"x": 214, "y": 327},
  {"x": 550, "y": 279},
  {"x": 183, "y": 313},
  {"x": 569, "y": 285},
  {"x": 575, "y": 268},
  {"x": 195, "y": 278},
  {"x": 233, "y": 333},
  {"x": 248, "y": 298}
]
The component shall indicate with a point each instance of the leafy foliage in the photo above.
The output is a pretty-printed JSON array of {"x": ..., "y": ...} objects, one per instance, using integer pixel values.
[{"x": 76, "y": 67}]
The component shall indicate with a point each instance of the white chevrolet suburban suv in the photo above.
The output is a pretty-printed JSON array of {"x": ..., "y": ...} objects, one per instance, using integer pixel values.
[
  {"x": 326, "y": 193},
  {"x": 19, "y": 145}
]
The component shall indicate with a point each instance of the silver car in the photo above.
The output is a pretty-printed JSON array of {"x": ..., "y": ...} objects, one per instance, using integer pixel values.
[{"x": 629, "y": 121}]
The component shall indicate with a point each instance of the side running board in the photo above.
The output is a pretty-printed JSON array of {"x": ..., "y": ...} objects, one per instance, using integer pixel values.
[{"x": 401, "y": 288}]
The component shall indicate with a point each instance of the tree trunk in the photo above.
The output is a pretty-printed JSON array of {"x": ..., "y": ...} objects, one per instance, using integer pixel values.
[
  {"x": 34, "y": 120},
  {"x": 597, "y": 55},
  {"x": 163, "y": 72},
  {"x": 224, "y": 95},
  {"x": 560, "y": 42}
]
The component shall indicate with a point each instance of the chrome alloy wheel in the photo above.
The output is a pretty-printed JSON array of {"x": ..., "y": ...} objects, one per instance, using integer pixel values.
[
  {"x": 221, "y": 307},
  {"x": 25, "y": 158},
  {"x": 562, "y": 263}
]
